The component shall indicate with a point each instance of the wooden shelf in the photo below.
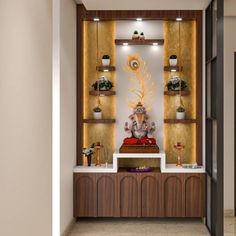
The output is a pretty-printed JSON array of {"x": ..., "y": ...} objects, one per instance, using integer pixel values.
[
  {"x": 175, "y": 93},
  {"x": 106, "y": 68},
  {"x": 101, "y": 121},
  {"x": 102, "y": 93},
  {"x": 173, "y": 68},
  {"x": 184, "y": 121},
  {"x": 139, "y": 42}
]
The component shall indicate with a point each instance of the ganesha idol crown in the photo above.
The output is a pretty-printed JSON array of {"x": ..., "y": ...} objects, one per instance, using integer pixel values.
[{"x": 139, "y": 131}]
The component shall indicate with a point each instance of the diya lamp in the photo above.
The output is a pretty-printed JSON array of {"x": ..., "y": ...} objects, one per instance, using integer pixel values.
[
  {"x": 179, "y": 147},
  {"x": 98, "y": 148}
]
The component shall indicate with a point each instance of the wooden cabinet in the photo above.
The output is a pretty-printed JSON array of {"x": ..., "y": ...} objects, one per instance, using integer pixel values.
[
  {"x": 129, "y": 196},
  {"x": 194, "y": 195},
  {"x": 125, "y": 194},
  {"x": 84, "y": 195},
  {"x": 106, "y": 195},
  {"x": 151, "y": 197},
  {"x": 173, "y": 192}
]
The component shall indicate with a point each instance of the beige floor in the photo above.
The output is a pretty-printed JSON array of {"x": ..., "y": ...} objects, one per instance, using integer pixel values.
[
  {"x": 230, "y": 226},
  {"x": 139, "y": 227},
  {"x": 147, "y": 227}
]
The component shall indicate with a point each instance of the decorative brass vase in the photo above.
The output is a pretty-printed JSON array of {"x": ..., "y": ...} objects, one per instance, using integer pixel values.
[{"x": 179, "y": 147}]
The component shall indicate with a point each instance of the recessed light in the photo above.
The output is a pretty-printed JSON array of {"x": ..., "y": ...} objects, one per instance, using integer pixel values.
[
  {"x": 179, "y": 19},
  {"x": 125, "y": 44},
  {"x": 105, "y": 70},
  {"x": 96, "y": 19},
  {"x": 155, "y": 44},
  {"x": 139, "y": 19},
  {"x": 173, "y": 70}
]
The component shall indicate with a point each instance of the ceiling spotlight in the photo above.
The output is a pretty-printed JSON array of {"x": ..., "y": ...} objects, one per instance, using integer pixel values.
[
  {"x": 105, "y": 70},
  {"x": 125, "y": 44},
  {"x": 139, "y": 19},
  {"x": 179, "y": 19},
  {"x": 155, "y": 44},
  {"x": 96, "y": 19},
  {"x": 173, "y": 70}
]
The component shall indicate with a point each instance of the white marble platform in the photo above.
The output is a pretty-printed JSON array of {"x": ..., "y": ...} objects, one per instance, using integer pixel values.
[
  {"x": 172, "y": 168},
  {"x": 113, "y": 168}
]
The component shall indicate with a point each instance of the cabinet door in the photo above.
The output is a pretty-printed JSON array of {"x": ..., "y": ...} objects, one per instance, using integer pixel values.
[
  {"x": 173, "y": 195},
  {"x": 194, "y": 195},
  {"x": 106, "y": 185},
  {"x": 151, "y": 202},
  {"x": 84, "y": 195},
  {"x": 129, "y": 196}
]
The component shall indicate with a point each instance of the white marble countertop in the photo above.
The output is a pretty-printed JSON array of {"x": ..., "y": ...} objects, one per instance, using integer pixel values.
[
  {"x": 113, "y": 168},
  {"x": 95, "y": 169},
  {"x": 172, "y": 168}
]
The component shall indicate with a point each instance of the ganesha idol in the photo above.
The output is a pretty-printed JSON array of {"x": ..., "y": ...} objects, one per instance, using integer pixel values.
[{"x": 139, "y": 133}]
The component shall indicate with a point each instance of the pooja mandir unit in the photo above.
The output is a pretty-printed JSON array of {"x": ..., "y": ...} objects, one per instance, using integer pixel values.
[{"x": 111, "y": 190}]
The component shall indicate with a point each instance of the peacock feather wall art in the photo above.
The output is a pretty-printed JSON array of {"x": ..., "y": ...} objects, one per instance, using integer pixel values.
[{"x": 143, "y": 87}]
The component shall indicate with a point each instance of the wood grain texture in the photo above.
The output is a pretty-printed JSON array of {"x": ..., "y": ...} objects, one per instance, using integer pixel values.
[
  {"x": 129, "y": 195},
  {"x": 105, "y": 68},
  {"x": 102, "y": 93},
  {"x": 79, "y": 84},
  {"x": 176, "y": 93},
  {"x": 126, "y": 194},
  {"x": 199, "y": 89},
  {"x": 99, "y": 121},
  {"x": 84, "y": 195},
  {"x": 178, "y": 121},
  {"x": 106, "y": 188},
  {"x": 148, "y": 15},
  {"x": 194, "y": 195},
  {"x": 177, "y": 68},
  {"x": 151, "y": 202},
  {"x": 173, "y": 195}
]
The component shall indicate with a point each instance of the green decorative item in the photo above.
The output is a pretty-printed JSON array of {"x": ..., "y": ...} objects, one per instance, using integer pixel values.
[
  {"x": 106, "y": 60},
  {"x": 105, "y": 57},
  {"x": 173, "y": 57},
  {"x": 180, "y": 109},
  {"x": 173, "y": 60},
  {"x": 103, "y": 84},
  {"x": 142, "y": 36},
  {"x": 97, "y": 113},
  {"x": 176, "y": 84},
  {"x": 135, "y": 35}
]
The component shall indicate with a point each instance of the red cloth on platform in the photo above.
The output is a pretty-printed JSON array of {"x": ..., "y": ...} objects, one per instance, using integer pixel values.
[{"x": 141, "y": 141}]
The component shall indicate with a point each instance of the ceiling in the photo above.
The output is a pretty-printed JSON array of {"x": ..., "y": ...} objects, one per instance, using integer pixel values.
[{"x": 144, "y": 4}]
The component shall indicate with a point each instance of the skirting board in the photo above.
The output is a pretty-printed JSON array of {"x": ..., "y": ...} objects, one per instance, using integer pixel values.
[
  {"x": 69, "y": 228},
  {"x": 229, "y": 213}
]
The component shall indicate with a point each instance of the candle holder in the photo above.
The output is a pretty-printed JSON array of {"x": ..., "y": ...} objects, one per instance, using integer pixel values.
[
  {"x": 179, "y": 147},
  {"x": 98, "y": 148}
]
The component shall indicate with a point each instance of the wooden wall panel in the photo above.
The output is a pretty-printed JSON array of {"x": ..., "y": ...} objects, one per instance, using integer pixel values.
[{"x": 151, "y": 202}]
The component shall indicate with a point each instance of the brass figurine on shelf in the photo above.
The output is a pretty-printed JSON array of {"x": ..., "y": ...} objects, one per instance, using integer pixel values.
[
  {"x": 98, "y": 148},
  {"x": 179, "y": 147}
]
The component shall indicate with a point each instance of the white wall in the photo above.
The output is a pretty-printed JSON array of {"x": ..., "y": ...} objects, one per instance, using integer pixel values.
[
  {"x": 68, "y": 108},
  {"x": 25, "y": 117},
  {"x": 153, "y": 56},
  {"x": 229, "y": 49}
]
